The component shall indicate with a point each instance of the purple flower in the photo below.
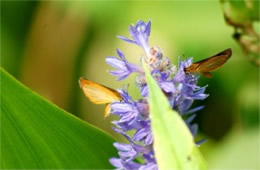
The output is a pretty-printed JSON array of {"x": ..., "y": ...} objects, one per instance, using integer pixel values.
[
  {"x": 140, "y": 34},
  {"x": 144, "y": 135},
  {"x": 180, "y": 88},
  {"x": 124, "y": 68},
  {"x": 180, "y": 76},
  {"x": 126, "y": 151}
]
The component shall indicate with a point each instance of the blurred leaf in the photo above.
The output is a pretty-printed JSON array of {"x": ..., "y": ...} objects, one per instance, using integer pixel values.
[
  {"x": 239, "y": 150},
  {"x": 248, "y": 102},
  {"x": 241, "y": 12},
  {"x": 16, "y": 18},
  {"x": 37, "y": 134},
  {"x": 80, "y": 60},
  {"x": 173, "y": 143},
  {"x": 242, "y": 15}
]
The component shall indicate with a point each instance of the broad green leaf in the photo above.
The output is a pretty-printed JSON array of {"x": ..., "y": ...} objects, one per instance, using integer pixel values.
[
  {"x": 173, "y": 143},
  {"x": 37, "y": 134}
]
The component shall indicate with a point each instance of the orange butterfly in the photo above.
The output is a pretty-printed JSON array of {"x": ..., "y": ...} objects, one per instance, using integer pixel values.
[
  {"x": 99, "y": 94},
  {"x": 209, "y": 64}
]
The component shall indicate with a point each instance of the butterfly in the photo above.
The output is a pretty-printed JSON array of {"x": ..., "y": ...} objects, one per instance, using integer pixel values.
[
  {"x": 209, "y": 64},
  {"x": 99, "y": 94}
]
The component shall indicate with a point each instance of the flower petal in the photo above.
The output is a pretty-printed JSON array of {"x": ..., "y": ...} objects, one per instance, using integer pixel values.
[
  {"x": 149, "y": 139},
  {"x": 194, "y": 110},
  {"x": 149, "y": 166},
  {"x": 121, "y": 108},
  {"x": 116, "y": 162},
  {"x": 190, "y": 119},
  {"x": 115, "y": 62},
  {"x": 126, "y": 39},
  {"x": 121, "y": 55},
  {"x": 144, "y": 91},
  {"x": 168, "y": 87},
  {"x": 194, "y": 129}
]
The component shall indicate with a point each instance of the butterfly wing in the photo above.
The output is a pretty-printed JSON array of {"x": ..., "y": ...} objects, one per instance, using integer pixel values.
[
  {"x": 210, "y": 64},
  {"x": 207, "y": 74},
  {"x": 107, "y": 110},
  {"x": 97, "y": 93}
]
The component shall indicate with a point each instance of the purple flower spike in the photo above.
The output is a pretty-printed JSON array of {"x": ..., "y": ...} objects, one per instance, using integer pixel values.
[
  {"x": 124, "y": 68},
  {"x": 181, "y": 90},
  {"x": 140, "y": 34}
]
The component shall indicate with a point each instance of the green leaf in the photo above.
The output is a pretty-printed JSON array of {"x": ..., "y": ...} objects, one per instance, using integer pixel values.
[
  {"x": 37, "y": 134},
  {"x": 241, "y": 12},
  {"x": 173, "y": 143}
]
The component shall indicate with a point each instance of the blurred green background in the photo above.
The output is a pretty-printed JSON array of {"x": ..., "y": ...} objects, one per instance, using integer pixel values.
[{"x": 48, "y": 45}]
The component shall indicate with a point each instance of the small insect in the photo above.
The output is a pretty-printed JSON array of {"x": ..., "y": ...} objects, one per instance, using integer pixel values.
[
  {"x": 209, "y": 64},
  {"x": 99, "y": 94}
]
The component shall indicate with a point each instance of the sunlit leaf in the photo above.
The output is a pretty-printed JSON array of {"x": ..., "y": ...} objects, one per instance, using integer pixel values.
[{"x": 173, "y": 143}]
